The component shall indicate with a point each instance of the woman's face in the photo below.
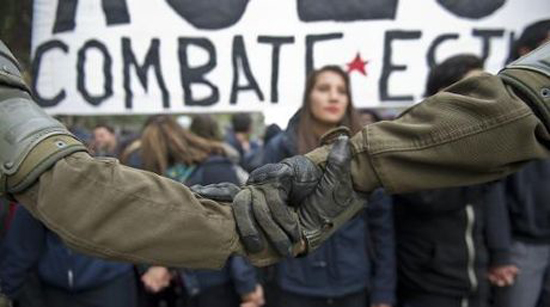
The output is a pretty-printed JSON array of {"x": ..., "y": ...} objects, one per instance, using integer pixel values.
[{"x": 329, "y": 99}]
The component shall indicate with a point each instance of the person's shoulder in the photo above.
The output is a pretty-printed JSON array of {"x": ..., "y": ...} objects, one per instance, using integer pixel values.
[
  {"x": 279, "y": 147},
  {"x": 217, "y": 162},
  {"x": 279, "y": 142},
  {"x": 231, "y": 139},
  {"x": 282, "y": 136},
  {"x": 214, "y": 169},
  {"x": 216, "y": 159}
]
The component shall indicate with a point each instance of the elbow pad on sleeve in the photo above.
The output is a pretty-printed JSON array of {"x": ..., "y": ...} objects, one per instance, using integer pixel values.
[{"x": 30, "y": 140}]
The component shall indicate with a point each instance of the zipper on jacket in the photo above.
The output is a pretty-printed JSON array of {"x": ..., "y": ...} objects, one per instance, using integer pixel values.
[
  {"x": 70, "y": 274},
  {"x": 70, "y": 278},
  {"x": 470, "y": 220}
]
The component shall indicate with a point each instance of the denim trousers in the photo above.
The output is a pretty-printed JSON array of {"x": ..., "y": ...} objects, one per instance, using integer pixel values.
[{"x": 533, "y": 261}]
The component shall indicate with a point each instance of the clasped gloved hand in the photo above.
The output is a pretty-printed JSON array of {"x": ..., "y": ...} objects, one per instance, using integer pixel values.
[
  {"x": 295, "y": 201},
  {"x": 221, "y": 192}
]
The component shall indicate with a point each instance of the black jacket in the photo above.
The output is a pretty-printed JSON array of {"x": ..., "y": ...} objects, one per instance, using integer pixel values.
[
  {"x": 447, "y": 238},
  {"x": 528, "y": 200}
]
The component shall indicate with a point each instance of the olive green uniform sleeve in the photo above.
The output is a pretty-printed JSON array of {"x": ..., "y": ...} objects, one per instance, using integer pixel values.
[
  {"x": 475, "y": 131},
  {"x": 132, "y": 215}
]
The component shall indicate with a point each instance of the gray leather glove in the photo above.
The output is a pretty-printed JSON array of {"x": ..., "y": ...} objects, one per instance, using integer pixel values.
[
  {"x": 295, "y": 201},
  {"x": 222, "y": 192}
]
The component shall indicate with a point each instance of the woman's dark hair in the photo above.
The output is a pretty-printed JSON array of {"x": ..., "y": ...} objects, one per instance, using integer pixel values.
[
  {"x": 450, "y": 71},
  {"x": 164, "y": 143},
  {"x": 307, "y": 141}
]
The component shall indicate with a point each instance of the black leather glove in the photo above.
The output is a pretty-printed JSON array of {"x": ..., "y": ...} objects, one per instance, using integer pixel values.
[
  {"x": 266, "y": 201},
  {"x": 295, "y": 201},
  {"x": 334, "y": 201}
]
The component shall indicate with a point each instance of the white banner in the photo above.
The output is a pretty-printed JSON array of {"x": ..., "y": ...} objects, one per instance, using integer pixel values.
[{"x": 155, "y": 56}]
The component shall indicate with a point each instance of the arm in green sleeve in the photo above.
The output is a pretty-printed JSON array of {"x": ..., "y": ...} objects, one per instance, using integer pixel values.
[
  {"x": 131, "y": 215},
  {"x": 477, "y": 130}
]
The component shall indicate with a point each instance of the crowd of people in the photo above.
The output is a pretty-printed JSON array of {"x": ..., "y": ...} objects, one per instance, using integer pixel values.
[{"x": 482, "y": 245}]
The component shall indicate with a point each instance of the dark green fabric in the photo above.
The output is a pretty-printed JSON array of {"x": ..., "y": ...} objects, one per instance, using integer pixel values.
[{"x": 477, "y": 130}]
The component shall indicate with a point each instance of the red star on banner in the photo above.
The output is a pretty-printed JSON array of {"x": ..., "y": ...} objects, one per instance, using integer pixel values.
[{"x": 357, "y": 64}]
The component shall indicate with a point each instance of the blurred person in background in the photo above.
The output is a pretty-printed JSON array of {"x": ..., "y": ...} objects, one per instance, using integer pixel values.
[
  {"x": 271, "y": 131},
  {"x": 357, "y": 264},
  {"x": 448, "y": 254},
  {"x": 239, "y": 137},
  {"x": 207, "y": 127},
  {"x": 450, "y": 240},
  {"x": 172, "y": 151},
  {"x": 528, "y": 203},
  {"x": 532, "y": 36},
  {"x": 67, "y": 278},
  {"x": 452, "y": 70},
  {"x": 104, "y": 141},
  {"x": 30, "y": 293}
]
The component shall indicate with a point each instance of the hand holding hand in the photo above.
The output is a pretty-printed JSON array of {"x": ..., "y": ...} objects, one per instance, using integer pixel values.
[
  {"x": 156, "y": 278},
  {"x": 503, "y": 276},
  {"x": 254, "y": 299},
  {"x": 294, "y": 202}
]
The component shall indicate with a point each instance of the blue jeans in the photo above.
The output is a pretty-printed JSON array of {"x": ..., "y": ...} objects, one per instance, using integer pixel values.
[{"x": 533, "y": 261}]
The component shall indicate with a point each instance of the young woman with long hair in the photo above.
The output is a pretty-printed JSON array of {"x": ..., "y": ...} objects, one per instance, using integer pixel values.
[{"x": 342, "y": 270}]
